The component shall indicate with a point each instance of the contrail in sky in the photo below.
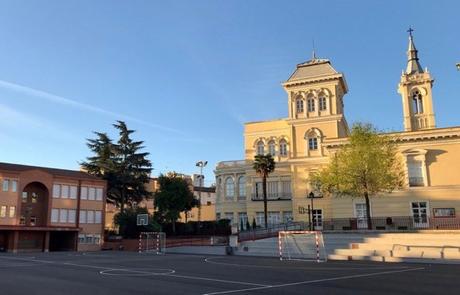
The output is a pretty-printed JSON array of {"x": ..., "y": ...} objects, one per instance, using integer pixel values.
[{"x": 78, "y": 105}]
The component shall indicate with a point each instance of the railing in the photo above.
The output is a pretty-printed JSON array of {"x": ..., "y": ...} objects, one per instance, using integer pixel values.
[
  {"x": 416, "y": 181},
  {"x": 231, "y": 163},
  {"x": 408, "y": 248},
  {"x": 393, "y": 223},
  {"x": 270, "y": 231},
  {"x": 272, "y": 197},
  {"x": 196, "y": 241}
]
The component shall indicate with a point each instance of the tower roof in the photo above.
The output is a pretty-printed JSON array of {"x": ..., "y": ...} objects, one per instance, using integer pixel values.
[
  {"x": 316, "y": 67},
  {"x": 413, "y": 65}
]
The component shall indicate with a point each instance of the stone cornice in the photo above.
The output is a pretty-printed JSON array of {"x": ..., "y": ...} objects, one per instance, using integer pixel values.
[{"x": 405, "y": 137}]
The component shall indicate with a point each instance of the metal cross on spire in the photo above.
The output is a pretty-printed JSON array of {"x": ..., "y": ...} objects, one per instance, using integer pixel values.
[{"x": 410, "y": 31}]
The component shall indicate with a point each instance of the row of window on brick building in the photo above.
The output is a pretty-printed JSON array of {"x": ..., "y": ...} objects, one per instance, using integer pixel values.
[
  {"x": 63, "y": 191},
  {"x": 64, "y": 215},
  {"x": 60, "y": 191}
]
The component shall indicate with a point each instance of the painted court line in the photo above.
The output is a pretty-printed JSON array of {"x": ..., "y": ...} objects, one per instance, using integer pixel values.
[
  {"x": 216, "y": 280},
  {"x": 316, "y": 281},
  {"x": 315, "y": 267}
]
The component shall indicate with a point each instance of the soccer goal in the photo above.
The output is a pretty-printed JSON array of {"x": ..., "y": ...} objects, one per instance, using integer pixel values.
[
  {"x": 302, "y": 245},
  {"x": 152, "y": 242}
]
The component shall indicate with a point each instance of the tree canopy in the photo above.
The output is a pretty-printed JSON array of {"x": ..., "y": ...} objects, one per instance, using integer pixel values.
[
  {"x": 366, "y": 166},
  {"x": 173, "y": 197},
  {"x": 126, "y": 169}
]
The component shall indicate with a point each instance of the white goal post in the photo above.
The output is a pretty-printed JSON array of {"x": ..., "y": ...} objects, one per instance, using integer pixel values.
[
  {"x": 301, "y": 245},
  {"x": 152, "y": 242}
]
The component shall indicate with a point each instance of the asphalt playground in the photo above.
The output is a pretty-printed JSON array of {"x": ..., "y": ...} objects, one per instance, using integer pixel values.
[{"x": 114, "y": 273}]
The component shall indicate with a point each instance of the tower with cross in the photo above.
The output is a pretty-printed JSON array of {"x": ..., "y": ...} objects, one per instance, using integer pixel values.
[{"x": 415, "y": 88}]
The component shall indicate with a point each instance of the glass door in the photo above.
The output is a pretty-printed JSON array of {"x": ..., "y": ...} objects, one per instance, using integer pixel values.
[
  {"x": 420, "y": 214},
  {"x": 361, "y": 215},
  {"x": 318, "y": 219}
]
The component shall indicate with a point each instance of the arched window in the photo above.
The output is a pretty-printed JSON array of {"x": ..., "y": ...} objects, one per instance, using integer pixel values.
[
  {"x": 313, "y": 138},
  {"x": 271, "y": 148},
  {"x": 229, "y": 187},
  {"x": 312, "y": 143},
  {"x": 299, "y": 105},
  {"x": 242, "y": 187},
  {"x": 283, "y": 148},
  {"x": 322, "y": 103},
  {"x": 417, "y": 102},
  {"x": 311, "y": 104},
  {"x": 260, "y": 148}
]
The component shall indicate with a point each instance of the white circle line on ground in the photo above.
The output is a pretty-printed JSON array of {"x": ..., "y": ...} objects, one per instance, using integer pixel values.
[
  {"x": 136, "y": 273},
  {"x": 319, "y": 267}
]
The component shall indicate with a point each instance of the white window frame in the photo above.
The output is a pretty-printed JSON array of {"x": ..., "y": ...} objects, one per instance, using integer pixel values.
[
  {"x": 12, "y": 211},
  {"x": 229, "y": 187},
  {"x": 56, "y": 191},
  {"x": 98, "y": 217},
  {"x": 64, "y": 191},
  {"x": 54, "y": 215},
  {"x": 82, "y": 216},
  {"x": 242, "y": 187},
  {"x": 3, "y": 210},
  {"x": 71, "y": 215},
  {"x": 90, "y": 216},
  {"x": 99, "y": 193},
  {"x": 91, "y": 193},
  {"x": 63, "y": 215},
  {"x": 14, "y": 186},
  {"x": 5, "y": 185},
  {"x": 84, "y": 193},
  {"x": 73, "y": 191}
]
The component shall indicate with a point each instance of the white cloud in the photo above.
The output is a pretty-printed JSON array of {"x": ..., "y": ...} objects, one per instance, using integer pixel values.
[{"x": 78, "y": 105}]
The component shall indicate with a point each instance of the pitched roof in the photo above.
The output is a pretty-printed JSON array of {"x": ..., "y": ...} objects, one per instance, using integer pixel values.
[
  {"x": 312, "y": 69},
  {"x": 53, "y": 171}
]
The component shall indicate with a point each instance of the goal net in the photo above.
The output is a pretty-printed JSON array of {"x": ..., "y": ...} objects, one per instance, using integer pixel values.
[
  {"x": 301, "y": 245},
  {"x": 152, "y": 242}
]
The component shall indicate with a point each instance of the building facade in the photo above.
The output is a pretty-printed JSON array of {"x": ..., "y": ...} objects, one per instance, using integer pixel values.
[
  {"x": 46, "y": 209},
  {"x": 315, "y": 128}
]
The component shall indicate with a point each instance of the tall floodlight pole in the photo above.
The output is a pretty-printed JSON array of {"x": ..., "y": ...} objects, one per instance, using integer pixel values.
[{"x": 200, "y": 164}]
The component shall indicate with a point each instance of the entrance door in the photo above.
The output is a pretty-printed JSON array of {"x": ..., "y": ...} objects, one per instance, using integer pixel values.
[
  {"x": 420, "y": 214},
  {"x": 318, "y": 219},
  {"x": 361, "y": 215}
]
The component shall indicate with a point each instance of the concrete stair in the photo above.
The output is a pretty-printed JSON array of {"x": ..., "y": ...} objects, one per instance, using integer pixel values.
[
  {"x": 437, "y": 247},
  {"x": 407, "y": 247}
]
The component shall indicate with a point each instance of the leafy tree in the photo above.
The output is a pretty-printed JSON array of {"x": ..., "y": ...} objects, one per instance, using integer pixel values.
[
  {"x": 264, "y": 165},
  {"x": 366, "y": 166},
  {"x": 173, "y": 197},
  {"x": 126, "y": 169},
  {"x": 126, "y": 222}
]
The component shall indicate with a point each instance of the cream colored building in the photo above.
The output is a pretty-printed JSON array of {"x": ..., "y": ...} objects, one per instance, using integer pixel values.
[{"x": 316, "y": 126}]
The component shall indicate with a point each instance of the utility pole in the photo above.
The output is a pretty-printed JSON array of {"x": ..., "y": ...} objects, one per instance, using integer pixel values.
[{"x": 200, "y": 164}]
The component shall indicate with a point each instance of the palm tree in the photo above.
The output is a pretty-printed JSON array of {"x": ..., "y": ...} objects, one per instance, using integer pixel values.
[{"x": 264, "y": 165}]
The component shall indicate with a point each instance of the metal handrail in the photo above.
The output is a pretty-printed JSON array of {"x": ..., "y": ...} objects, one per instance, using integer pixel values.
[{"x": 442, "y": 248}]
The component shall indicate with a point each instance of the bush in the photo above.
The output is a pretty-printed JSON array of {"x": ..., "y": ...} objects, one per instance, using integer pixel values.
[{"x": 127, "y": 223}]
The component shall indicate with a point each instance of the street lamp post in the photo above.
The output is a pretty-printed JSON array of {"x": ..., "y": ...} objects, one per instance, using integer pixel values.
[
  {"x": 311, "y": 196},
  {"x": 200, "y": 164}
]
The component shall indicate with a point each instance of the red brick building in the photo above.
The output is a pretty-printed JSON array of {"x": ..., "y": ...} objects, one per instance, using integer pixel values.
[{"x": 46, "y": 209}]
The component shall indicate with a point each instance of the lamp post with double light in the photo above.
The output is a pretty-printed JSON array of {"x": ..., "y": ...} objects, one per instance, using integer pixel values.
[{"x": 200, "y": 164}]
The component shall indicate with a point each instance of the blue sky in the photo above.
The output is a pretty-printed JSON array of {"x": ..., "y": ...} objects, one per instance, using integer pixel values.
[{"x": 187, "y": 74}]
